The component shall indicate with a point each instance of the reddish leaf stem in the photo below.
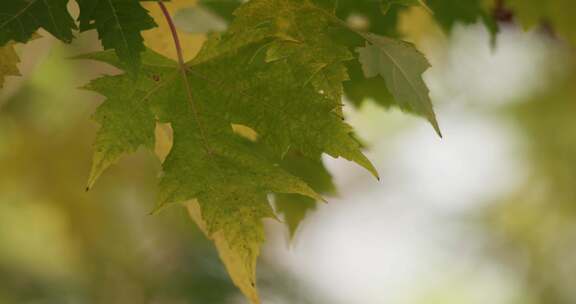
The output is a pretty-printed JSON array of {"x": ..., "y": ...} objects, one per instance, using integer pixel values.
[
  {"x": 183, "y": 71},
  {"x": 173, "y": 32}
]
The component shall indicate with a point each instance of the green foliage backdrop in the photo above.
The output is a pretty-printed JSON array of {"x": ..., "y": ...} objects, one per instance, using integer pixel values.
[{"x": 251, "y": 115}]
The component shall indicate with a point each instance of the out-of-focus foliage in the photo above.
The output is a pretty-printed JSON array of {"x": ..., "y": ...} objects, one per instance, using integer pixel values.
[
  {"x": 448, "y": 13},
  {"x": 60, "y": 244},
  {"x": 534, "y": 228},
  {"x": 558, "y": 14}
]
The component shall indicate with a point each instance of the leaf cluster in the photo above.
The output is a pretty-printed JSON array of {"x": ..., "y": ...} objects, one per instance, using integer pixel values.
[{"x": 278, "y": 73}]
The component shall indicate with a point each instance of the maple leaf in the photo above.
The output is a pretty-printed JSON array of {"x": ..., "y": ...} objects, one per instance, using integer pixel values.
[
  {"x": 119, "y": 23},
  {"x": 225, "y": 172},
  {"x": 8, "y": 62},
  {"x": 208, "y": 161},
  {"x": 20, "y": 19},
  {"x": 401, "y": 66},
  {"x": 277, "y": 71}
]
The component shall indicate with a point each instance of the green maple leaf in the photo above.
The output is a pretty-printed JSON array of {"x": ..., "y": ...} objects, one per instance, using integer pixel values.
[
  {"x": 208, "y": 162},
  {"x": 277, "y": 70},
  {"x": 119, "y": 23},
  {"x": 558, "y": 13},
  {"x": 401, "y": 66},
  {"x": 8, "y": 62},
  {"x": 20, "y": 19}
]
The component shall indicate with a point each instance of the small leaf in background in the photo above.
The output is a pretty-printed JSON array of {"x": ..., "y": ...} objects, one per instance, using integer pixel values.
[
  {"x": 208, "y": 162},
  {"x": 401, "y": 66},
  {"x": 20, "y": 19}
]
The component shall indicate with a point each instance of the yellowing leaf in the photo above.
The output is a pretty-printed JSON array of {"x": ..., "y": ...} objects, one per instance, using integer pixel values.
[
  {"x": 208, "y": 162},
  {"x": 240, "y": 262},
  {"x": 163, "y": 141},
  {"x": 245, "y": 132},
  {"x": 277, "y": 72},
  {"x": 8, "y": 62}
]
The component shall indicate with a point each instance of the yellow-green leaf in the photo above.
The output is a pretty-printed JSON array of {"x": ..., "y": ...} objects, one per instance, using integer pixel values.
[{"x": 8, "y": 62}]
